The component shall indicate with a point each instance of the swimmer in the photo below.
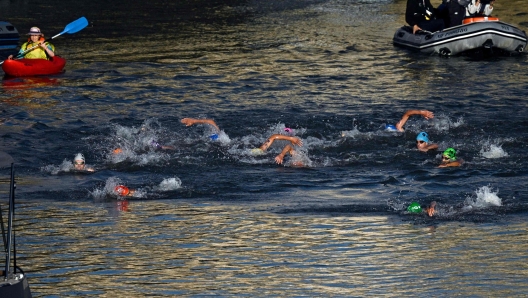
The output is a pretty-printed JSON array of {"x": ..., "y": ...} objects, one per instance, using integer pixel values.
[
  {"x": 193, "y": 121},
  {"x": 294, "y": 140},
  {"x": 449, "y": 159},
  {"x": 423, "y": 144},
  {"x": 80, "y": 165},
  {"x": 123, "y": 191},
  {"x": 415, "y": 207},
  {"x": 158, "y": 146},
  {"x": 399, "y": 126}
]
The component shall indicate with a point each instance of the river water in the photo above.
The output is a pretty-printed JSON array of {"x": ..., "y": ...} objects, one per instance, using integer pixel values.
[{"x": 212, "y": 218}]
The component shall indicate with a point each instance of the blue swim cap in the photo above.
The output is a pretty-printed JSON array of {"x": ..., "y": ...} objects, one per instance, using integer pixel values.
[
  {"x": 390, "y": 127},
  {"x": 423, "y": 136},
  {"x": 214, "y": 137}
]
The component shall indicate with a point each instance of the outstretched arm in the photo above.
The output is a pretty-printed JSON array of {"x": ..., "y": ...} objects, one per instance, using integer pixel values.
[
  {"x": 426, "y": 114},
  {"x": 193, "y": 121},
  {"x": 429, "y": 147},
  {"x": 270, "y": 140},
  {"x": 287, "y": 149}
]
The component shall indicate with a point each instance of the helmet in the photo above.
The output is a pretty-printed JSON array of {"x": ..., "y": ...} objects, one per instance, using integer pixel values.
[
  {"x": 414, "y": 208},
  {"x": 423, "y": 136},
  {"x": 451, "y": 153}
]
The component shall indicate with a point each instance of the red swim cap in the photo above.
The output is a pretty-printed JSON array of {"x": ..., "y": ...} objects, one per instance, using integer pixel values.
[{"x": 122, "y": 190}]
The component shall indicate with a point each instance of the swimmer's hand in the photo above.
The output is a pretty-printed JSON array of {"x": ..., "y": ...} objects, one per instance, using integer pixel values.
[
  {"x": 296, "y": 141},
  {"x": 427, "y": 114},
  {"x": 279, "y": 158},
  {"x": 188, "y": 121}
]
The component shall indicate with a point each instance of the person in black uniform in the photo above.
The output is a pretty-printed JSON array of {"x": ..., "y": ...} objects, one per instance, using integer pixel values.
[{"x": 420, "y": 15}]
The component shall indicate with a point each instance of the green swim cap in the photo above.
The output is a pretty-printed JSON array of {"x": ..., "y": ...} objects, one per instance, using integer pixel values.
[
  {"x": 414, "y": 208},
  {"x": 451, "y": 153}
]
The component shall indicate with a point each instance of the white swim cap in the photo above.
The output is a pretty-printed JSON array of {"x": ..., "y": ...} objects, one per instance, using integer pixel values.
[{"x": 79, "y": 156}]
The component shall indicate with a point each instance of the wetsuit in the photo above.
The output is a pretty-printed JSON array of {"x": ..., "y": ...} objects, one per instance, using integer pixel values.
[{"x": 421, "y": 13}]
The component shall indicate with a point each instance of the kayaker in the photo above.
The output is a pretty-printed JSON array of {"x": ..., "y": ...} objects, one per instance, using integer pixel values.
[{"x": 44, "y": 50}]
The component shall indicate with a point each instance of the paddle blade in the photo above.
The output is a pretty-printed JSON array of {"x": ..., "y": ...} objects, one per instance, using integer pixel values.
[{"x": 75, "y": 26}]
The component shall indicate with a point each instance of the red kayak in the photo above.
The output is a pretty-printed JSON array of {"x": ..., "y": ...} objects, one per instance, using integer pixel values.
[{"x": 33, "y": 67}]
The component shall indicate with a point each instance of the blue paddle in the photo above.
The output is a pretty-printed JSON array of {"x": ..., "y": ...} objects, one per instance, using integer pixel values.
[{"x": 71, "y": 28}]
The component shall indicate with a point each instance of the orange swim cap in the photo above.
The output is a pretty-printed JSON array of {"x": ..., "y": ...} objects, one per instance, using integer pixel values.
[
  {"x": 122, "y": 190},
  {"x": 118, "y": 150}
]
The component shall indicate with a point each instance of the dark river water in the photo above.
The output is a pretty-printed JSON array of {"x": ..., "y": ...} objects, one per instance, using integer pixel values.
[{"x": 212, "y": 218}]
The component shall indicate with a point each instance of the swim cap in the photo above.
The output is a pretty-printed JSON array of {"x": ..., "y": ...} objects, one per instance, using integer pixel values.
[
  {"x": 155, "y": 144},
  {"x": 79, "y": 156},
  {"x": 214, "y": 137},
  {"x": 414, "y": 208},
  {"x": 122, "y": 190},
  {"x": 257, "y": 151},
  {"x": 390, "y": 127},
  {"x": 451, "y": 153},
  {"x": 287, "y": 129},
  {"x": 118, "y": 150},
  {"x": 423, "y": 136}
]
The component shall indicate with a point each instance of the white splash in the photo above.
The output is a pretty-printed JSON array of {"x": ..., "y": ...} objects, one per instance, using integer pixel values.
[
  {"x": 350, "y": 133},
  {"x": 65, "y": 166},
  {"x": 492, "y": 151},
  {"x": 443, "y": 123},
  {"x": 169, "y": 184},
  {"x": 485, "y": 197}
]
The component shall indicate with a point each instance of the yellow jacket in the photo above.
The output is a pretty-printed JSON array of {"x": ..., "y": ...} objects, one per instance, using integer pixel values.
[{"x": 38, "y": 52}]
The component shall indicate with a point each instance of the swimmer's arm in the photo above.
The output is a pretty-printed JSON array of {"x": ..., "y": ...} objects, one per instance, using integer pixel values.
[
  {"x": 294, "y": 140},
  {"x": 192, "y": 121},
  {"x": 431, "y": 209},
  {"x": 429, "y": 147},
  {"x": 280, "y": 158},
  {"x": 432, "y": 147},
  {"x": 164, "y": 147},
  {"x": 450, "y": 164},
  {"x": 425, "y": 113}
]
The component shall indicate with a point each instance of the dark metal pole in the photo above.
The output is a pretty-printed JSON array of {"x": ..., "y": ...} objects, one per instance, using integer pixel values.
[{"x": 10, "y": 220}]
